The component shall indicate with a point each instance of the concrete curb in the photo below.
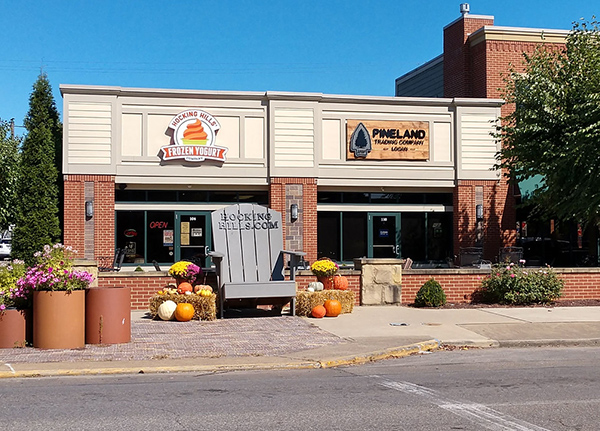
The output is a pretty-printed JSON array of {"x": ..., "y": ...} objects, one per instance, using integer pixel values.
[
  {"x": 392, "y": 353},
  {"x": 397, "y": 352},
  {"x": 551, "y": 342}
]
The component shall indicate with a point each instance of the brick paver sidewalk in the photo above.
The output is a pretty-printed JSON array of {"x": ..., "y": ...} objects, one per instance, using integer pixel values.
[{"x": 153, "y": 339}]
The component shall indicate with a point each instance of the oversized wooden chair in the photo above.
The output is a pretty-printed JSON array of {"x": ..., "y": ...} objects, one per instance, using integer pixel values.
[{"x": 249, "y": 256}]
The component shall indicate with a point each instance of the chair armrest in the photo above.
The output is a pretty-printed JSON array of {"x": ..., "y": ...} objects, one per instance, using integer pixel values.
[
  {"x": 216, "y": 254},
  {"x": 294, "y": 253}
]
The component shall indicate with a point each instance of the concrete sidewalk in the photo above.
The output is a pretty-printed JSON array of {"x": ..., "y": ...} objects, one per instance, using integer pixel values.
[{"x": 264, "y": 341}]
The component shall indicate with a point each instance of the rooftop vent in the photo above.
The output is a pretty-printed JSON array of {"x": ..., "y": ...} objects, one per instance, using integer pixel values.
[{"x": 464, "y": 8}]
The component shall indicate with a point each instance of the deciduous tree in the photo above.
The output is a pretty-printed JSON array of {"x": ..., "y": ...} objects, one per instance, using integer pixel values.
[
  {"x": 9, "y": 166},
  {"x": 554, "y": 130}
]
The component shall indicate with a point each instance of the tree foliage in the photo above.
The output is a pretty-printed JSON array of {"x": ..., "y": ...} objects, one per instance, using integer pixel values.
[
  {"x": 37, "y": 216},
  {"x": 554, "y": 131},
  {"x": 9, "y": 165}
]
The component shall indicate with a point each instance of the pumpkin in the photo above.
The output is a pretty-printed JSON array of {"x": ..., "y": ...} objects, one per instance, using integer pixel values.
[
  {"x": 205, "y": 293},
  {"x": 333, "y": 308},
  {"x": 184, "y": 312},
  {"x": 200, "y": 287},
  {"x": 340, "y": 282},
  {"x": 184, "y": 287},
  {"x": 318, "y": 312},
  {"x": 317, "y": 286},
  {"x": 166, "y": 310}
]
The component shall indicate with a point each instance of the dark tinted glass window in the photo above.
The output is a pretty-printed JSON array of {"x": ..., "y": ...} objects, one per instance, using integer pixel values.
[
  {"x": 218, "y": 196},
  {"x": 354, "y": 238},
  {"x": 193, "y": 196},
  {"x": 412, "y": 236},
  {"x": 329, "y": 197},
  {"x": 261, "y": 198},
  {"x": 130, "y": 195},
  {"x": 160, "y": 228},
  {"x": 162, "y": 195},
  {"x": 328, "y": 235},
  {"x": 439, "y": 236},
  {"x": 130, "y": 234}
]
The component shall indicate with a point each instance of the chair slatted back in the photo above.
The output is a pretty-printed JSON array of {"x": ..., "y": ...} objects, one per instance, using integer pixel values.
[{"x": 250, "y": 237}]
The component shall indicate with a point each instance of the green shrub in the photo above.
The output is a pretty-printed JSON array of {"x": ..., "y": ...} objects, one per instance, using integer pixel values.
[
  {"x": 430, "y": 294},
  {"x": 513, "y": 284}
]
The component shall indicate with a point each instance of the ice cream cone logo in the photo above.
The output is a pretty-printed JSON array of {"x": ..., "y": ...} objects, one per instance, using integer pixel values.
[{"x": 194, "y": 135}]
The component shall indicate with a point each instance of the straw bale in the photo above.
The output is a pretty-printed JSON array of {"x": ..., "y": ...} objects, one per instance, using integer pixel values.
[
  {"x": 205, "y": 307},
  {"x": 306, "y": 301}
]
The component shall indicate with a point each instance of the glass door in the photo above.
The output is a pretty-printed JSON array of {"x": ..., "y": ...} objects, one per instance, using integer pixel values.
[
  {"x": 384, "y": 235},
  {"x": 192, "y": 237}
]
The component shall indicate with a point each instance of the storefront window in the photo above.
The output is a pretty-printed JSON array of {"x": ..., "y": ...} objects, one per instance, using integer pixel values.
[
  {"x": 162, "y": 196},
  {"x": 354, "y": 228},
  {"x": 412, "y": 234},
  {"x": 424, "y": 237},
  {"x": 161, "y": 230},
  {"x": 328, "y": 235},
  {"x": 130, "y": 234}
]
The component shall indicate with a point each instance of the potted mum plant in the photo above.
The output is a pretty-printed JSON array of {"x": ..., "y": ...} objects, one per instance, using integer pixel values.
[
  {"x": 58, "y": 298},
  {"x": 184, "y": 271},
  {"x": 324, "y": 269},
  {"x": 15, "y": 306}
]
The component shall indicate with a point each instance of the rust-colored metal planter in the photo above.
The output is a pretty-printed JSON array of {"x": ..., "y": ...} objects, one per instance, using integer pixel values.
[
  {"x": 15, "y": 328},
  {"x": 59, "y": 319},
  {"x": 108, "y": 315}
]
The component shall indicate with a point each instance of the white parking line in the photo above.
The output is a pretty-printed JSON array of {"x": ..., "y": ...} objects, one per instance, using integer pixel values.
[{"x": 477, "y": 413}]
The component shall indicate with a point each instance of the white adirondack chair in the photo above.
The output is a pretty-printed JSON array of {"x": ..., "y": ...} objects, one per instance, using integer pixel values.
[{"x": 249, "y": 256}]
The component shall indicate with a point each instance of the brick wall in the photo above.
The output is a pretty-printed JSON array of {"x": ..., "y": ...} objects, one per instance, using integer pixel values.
[
  {"x": 580, "y": 283},
  {"x": 458, "y": 67},
  {"x": 459, "y": 285},
  {"x": 499, "y": 216},
  {"x": 94, "y": 236},
  {"x": 300, "y": 235}
]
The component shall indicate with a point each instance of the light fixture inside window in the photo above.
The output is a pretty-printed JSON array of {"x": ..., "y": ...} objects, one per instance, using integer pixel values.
[
  {"x": 89, "y": 209},
  {"x": 294, "y": 212}
]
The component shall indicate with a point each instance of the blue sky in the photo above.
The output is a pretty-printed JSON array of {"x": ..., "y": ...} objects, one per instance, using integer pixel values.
[{"x": 326, "y": 46}]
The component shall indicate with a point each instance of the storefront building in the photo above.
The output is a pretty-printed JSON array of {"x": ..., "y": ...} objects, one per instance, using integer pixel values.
[{"x": 353, "y": 176}]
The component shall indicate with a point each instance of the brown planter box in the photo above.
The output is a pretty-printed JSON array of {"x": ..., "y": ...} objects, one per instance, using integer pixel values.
[
  {"x": 15, "y": 328},
  {"x": 108, "y": 315},
  {"x": 59, "y": 319}
]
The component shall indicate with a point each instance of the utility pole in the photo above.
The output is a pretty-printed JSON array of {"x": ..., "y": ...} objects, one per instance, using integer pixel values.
[{"x": 12, "y": 128}]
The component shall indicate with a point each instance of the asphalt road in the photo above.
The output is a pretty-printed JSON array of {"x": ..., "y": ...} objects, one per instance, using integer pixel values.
[{"x": 495, "y": 389}]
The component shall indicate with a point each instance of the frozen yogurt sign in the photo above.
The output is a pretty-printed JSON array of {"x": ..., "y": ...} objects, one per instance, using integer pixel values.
[{"x": 194, "y": 135}]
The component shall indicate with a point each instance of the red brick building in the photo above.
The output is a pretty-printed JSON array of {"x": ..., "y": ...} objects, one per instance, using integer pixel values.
[{"x": 477, "y": 57}]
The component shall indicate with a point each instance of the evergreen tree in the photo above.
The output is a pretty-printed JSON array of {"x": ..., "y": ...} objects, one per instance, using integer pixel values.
[
  {"x": 37, "y": 211},
  {"x": 554, "y": 131},
  {"x": 9, "y": 165}
]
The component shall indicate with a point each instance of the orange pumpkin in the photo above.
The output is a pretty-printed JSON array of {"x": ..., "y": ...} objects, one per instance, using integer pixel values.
[
  {"x": 184, "y": 287},
  {"x": 318, "y": 312},
  {"x": 340, "y": 282},
  {"x": 333, "y": 308},
  {"x": 184, "y": 312}
]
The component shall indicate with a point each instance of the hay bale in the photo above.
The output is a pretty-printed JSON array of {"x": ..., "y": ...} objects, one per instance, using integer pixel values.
[
  {"x": 306, "y": 301},
  {"x": 205, "y": 307}
]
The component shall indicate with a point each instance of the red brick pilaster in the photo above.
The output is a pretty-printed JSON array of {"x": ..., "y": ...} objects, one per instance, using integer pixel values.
[
  {"x": 499, "y": 216},
  {"x": 300, "y": 234},
  {"x": 101, "y": 241}
]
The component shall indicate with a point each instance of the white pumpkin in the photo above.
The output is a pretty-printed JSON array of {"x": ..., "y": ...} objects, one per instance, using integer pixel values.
[
  {"x": 310, "y": 289},
  {"x": 316, "y": 285},
  {"x": 166, "y": 310}
]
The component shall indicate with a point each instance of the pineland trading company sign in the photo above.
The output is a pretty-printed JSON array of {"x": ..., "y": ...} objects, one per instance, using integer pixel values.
[{"x": 194, "y": 135}]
